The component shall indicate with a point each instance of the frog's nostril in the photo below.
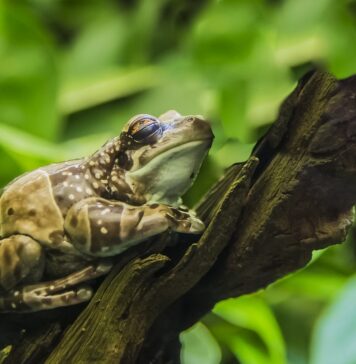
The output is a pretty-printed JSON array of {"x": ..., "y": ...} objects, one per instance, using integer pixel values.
[{"x": 202, "y": 124}]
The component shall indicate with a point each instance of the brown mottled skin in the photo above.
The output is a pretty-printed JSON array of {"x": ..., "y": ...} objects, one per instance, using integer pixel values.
[{"x": 62, "y": 220}]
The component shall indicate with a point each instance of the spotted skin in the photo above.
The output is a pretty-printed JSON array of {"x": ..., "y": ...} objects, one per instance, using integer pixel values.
[
  {"x": 63, "y": 220},
  {"x": 53, "y": 294},
  {"x": 107, "y": 228}
]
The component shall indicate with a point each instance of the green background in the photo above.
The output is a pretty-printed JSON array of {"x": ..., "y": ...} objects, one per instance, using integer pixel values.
[{"x": 73, "y": 72}]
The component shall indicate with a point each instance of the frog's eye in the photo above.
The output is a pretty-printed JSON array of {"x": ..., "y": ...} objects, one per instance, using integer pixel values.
[{"x": 144, "y": 128}]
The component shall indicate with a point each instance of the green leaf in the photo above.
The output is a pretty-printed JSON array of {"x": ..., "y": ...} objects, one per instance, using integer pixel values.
[
  {"x": 9, "y": 167},
  {"x": 319, "y": 285},
  {"x": 252, "y": 313},
  {"x": 102, "y": 87},
  {"x": 26, "y": 152},
  {"x": 248, "y": 351},
  {"x": 334, "y": 337},
  {"x": 98, "y": 45},
  {"x": 199, "y": 346},
  {"x": 28, "y": 74},
  {"x": 232, "y": 152},
  {"x": 21, "y": 151},
  {"x": 234, "y": 98}
]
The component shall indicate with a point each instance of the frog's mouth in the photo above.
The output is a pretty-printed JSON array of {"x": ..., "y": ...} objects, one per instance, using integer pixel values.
[
  {"x": 169, "y": 174},
  {"x": 170, "y": 147}
]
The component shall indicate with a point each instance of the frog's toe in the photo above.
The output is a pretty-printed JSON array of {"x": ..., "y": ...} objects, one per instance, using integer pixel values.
[
  {"x": 35, "y": 302},
  {"x": 197, "y": 226},
  {"x": 192, "y": 225},
  {"x": 67, "y": 298},
  {"x": 103, "y": 267}
]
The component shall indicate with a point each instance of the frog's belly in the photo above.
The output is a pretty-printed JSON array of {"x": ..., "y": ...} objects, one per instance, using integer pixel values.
[{"x": 28, "y": 207}]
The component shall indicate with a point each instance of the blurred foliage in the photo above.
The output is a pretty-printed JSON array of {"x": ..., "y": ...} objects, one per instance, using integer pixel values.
[
  {"x": 73, "y": 72},
  {"x": 334, "y": 337}
]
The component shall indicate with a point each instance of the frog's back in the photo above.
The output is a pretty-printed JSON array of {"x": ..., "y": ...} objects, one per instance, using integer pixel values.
[{"x": 27, "y": 206}]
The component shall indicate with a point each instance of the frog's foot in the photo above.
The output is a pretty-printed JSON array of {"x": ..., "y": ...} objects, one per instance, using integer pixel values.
[
  {"x": 53, "y": 294},
  {"x": 185, "y": 221}
]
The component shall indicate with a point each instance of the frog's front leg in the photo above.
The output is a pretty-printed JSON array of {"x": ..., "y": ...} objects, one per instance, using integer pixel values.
[{"x": 104, "y": 228}]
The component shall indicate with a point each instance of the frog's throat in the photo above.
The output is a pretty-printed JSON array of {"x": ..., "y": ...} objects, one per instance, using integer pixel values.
[
  {"x": 168, "y": 176},
  {"x": 170, "y": 145}
]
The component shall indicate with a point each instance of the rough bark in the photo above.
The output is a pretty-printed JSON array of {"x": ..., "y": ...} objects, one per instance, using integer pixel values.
[{"x": 264, "y": 222}]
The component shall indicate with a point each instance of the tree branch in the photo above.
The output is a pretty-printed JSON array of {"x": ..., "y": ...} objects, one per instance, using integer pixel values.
[{"x": 266, "y": 223}]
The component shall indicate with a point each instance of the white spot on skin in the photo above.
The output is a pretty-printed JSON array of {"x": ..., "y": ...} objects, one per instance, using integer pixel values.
[
  {"x": 91, "y": 163},
  {"x": 51, "y": 287},
  {"x": 89, "y": 191},
  {"x": 13, "y": 305},
  {"x": 65, "y": 184},
  {"x": 100, "y": 222},
  {"x": 77, "y": 176},
  {"x": 97, "y": 175},
  {"x": 86, "y": 176},
  {"x": 104, "y": 230},
  {"x": 71, "y": 196},
  {"x": 104, "y": 212},
  {"x": 95, "y": 185},
  {"x": 16, "y": 293},
  {"x": 105, "y": 181},
  {"x": 79, "y": 189},
  {"x": 114, "y": 178}
]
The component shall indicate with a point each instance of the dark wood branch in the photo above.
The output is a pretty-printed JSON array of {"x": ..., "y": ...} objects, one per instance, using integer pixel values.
[
  {"x": 266, "y": 222},
  {"x": 303, "y": 195},
  {"x": 301, "y": 199}
]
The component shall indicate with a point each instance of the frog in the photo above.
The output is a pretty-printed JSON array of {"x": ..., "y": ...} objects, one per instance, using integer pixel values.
[{"x": 62, "y": 224}]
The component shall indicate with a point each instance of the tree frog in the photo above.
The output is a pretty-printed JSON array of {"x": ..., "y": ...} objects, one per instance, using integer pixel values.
[{"x": 62, "y": 221}]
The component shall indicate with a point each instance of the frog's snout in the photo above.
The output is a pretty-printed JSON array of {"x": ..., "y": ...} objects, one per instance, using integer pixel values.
[{"x": 201, "y": 126}]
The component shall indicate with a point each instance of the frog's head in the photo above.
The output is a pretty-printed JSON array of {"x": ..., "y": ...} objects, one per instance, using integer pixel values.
[{"x": 162, "y": 156}]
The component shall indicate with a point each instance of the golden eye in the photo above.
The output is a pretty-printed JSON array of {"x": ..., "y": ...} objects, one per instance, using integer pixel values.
[{"x": 144, "y": 128}]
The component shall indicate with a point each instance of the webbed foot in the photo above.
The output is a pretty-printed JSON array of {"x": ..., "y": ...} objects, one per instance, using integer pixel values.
[{"x": 184, "y": 221}]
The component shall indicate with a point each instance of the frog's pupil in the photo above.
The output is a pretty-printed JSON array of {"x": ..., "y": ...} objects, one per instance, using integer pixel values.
[{"x": 146, "y": 130}]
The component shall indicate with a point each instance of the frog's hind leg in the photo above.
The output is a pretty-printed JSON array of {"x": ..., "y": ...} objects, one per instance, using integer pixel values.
[
  {"x": 21, "y": 260},
  {"x": 52, "y": 294}
]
